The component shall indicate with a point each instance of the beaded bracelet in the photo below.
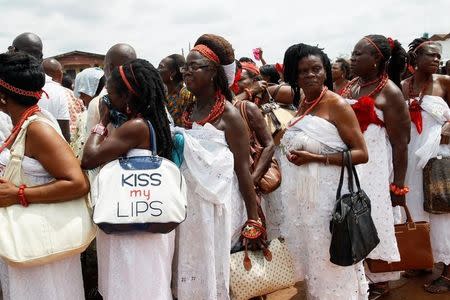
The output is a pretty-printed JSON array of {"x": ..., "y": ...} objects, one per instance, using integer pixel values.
[
  {"x": 397, "y": 190},
  {"x": 21, "y": 195}
]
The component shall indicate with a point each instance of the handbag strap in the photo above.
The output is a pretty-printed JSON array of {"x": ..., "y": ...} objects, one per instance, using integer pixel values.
[
  {"x": 341, "y": 179},
  {"x": 153, "y": 146}
]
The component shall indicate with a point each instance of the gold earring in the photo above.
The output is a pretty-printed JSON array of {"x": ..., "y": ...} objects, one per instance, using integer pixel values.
[{"x": 375, "y": 65}]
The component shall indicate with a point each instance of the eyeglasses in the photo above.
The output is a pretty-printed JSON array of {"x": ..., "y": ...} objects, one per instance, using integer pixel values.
[{"x": 192, "y": 68}]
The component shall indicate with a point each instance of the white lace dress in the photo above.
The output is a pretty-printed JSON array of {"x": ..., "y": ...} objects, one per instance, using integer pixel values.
[
  {"x": 5, "y": 126},
  {"x": 423, "y": 147},
  {"x": 214, "y": 216},
  {"x": 375, "y": 180},
  {"x": 135, "y": 266},
  {"x": 309, "y": 192},
  {"x": 54, "y": 281}
]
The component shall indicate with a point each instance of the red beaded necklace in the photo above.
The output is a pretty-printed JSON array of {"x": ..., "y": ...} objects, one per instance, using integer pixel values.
[
  {"x": 361, "y": 84},
  {"x": 313, "y": 104},
  {"x": 412, "y": 94},
  {"x": 29, "y": 112},
  {"x": 215, "y": 113},
  {"x": 383, "y": 80}
]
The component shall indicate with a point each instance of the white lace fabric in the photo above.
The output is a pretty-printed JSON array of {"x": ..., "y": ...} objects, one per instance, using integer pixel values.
[{"x": 309, "y": 197}]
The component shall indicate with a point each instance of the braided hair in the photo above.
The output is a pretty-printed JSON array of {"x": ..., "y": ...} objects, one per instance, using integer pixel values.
[
  {"x": 293, "y": 55},
  {"x": 223, "y": 49},
  {"x": 414, "y": 50},
  {"x": 23, "y": 71},
  {"x": 145, "y": 80},
  {"x": 392, "y": 60},
  {"x": 176, "y": 62}
]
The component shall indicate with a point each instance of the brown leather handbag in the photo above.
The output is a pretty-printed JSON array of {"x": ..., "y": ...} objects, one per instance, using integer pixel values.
[
  {"x": 413, "y": 240},
  {"x": 436, "y": 186},
  {"x": 271, "y": 180}
]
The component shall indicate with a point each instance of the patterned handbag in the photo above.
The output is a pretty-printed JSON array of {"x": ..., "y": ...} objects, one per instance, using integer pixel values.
[
  {"x": 264, "y": 277},
  {"x": 436, "y": 186}
]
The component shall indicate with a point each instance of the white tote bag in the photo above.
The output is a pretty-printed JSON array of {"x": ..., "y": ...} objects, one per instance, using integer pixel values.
[
  {"x": 139, "y": 193},
  {"x": 41, "y": 233}
]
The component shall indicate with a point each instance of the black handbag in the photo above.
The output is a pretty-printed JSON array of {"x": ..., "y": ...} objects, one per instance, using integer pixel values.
[{"x": 353, "y": 234}]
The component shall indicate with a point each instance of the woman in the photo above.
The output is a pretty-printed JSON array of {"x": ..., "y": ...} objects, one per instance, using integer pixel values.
[
  {"x": 270, "y": 74},
  {"x": 177, "y": 97},
  {"x": 341, "y": 74},
  {"x": 132, "y": 265},
  {"x": 324, "y": 127},
  {"x": 384, "y": 121},
  {"x": 88, "y": 85},
  {"x": 428, "y": 98},
  {"x": 216, "y": 169},
  {"x": 46, "y": 151}
]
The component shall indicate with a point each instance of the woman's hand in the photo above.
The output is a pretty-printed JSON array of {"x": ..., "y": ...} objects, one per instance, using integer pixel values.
[
  {"x": 8, "y": 193},
  {"x": 258, "y": 87},
  {"x": 104, "y": 113},
  {"x": 300, "y": 157}
]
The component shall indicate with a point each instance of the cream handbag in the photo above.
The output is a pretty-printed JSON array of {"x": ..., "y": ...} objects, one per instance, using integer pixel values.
[
  {"x": 264, "y": 277},
  {"x": 41, "y": 233}
]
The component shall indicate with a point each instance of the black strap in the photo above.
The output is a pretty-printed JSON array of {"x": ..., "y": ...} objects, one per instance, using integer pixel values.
[{"x": 341, "y": 179}]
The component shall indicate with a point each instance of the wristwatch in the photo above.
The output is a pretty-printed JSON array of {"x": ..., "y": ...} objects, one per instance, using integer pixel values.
[{"x": 100, "y": 129}]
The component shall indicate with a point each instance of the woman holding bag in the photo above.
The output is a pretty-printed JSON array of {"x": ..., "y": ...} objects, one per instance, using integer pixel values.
[
  {"x": 48, "y": 167},
  {"x": 325, "y": 126},
  {"x": 132, "y": 265}
]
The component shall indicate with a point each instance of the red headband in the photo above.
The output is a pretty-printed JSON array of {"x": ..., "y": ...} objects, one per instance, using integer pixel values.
[
  {"x": 250, "y": 68},
  {"x": 375, "y": 46},
  {"x": 125, "y": 80},
  {"x": 37, "y": 94},
  {"x": 206, "y": 52},
  {"x": 423, "y": 44}
]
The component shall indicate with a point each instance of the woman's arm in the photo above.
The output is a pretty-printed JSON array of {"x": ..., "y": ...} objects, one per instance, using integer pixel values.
[
  {"x": 258, "y": 125},
  {"x": 45, "y": 145},
  {"x": 344, "y": 118},
  {"x": 100, "y": 150},
  {"x": 239, "y": 146}
]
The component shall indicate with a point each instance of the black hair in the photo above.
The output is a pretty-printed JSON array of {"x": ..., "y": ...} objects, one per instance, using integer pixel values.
[
  {"x": 392, "y": 60},
  {"x": 291, "y": 58},
  {"x": 22, "y": 71},
  {"x": 345, "y": 67},
  {"x": 271, "y": 72},
  {"x": 223, "y": 49},
  {"x": 145, "y": 80},
  {"x": 413, "y": 49},
  {"x": 101, "y": 85},
  {"x": 67, "y": 81},
  {"x": 177, "y": 61},
  {"x": 247, "y": 59}
]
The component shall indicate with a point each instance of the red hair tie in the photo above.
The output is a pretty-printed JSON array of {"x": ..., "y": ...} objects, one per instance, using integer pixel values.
[
  {"x": 391, "y": 43},
  {"x": 374, "y": 45},
  {"x": 250, "y": 68},
  {"x": 207, "y": 52},
  {"x": 235, "y": 87},
  {"x": 11, "y": 88},
  {"x": 125, "y": 80}
]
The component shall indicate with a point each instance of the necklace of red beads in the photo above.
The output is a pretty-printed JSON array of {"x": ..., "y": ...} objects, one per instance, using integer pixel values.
[
  {"x": 215, "y": 113},
  {"x": 15, "y": 131}
]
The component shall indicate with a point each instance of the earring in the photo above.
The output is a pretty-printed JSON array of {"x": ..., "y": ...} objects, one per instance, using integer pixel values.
[
  {"x": 3, "y": 101},
  {"x": 171, "y": 78},
  {"x": 374, "y": 65},
  {"x": 128, "y": 109}
]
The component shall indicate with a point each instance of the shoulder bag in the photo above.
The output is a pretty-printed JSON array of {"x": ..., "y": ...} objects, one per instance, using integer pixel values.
[
  {"x": 140, "y": 193},
  {"x": 353, "y": 233},
  {"x": 436, "y": 186}
]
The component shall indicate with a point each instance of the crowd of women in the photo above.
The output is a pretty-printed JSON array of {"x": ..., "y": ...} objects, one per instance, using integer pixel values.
[{"x": 388, "y": 107}]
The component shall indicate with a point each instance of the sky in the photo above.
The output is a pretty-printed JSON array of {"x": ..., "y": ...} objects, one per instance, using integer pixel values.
[{"x": 157, "y": 28}]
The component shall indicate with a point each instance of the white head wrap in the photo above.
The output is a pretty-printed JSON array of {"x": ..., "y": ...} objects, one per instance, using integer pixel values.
[
  {"x": 87, "y": 81},
  {"x": 230, "y": 72}
]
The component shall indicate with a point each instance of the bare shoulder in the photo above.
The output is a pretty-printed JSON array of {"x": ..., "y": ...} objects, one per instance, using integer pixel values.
[
  {"x": 392, "y": 92},
  {"x": 337, "y": 103},
  {"x": 442, "y": 79}
]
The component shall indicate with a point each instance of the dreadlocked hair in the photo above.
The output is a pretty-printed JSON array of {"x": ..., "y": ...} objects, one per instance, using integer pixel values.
[
  {"x": 177, "y": 61},
  {"x": 22, "y": 71},
  {"x": 414, "y": 50},
  {"x": 223, "y": 49},
  {"x": 145, "y": 80},
  {"x": 393, "y": 60},
  {"x": 293, "y": 55}
]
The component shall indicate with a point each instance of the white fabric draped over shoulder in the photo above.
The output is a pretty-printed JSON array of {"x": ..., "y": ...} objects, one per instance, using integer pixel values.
[
  {"x": 5, "y": 126},
  {"x": 214, "y": 210}
]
